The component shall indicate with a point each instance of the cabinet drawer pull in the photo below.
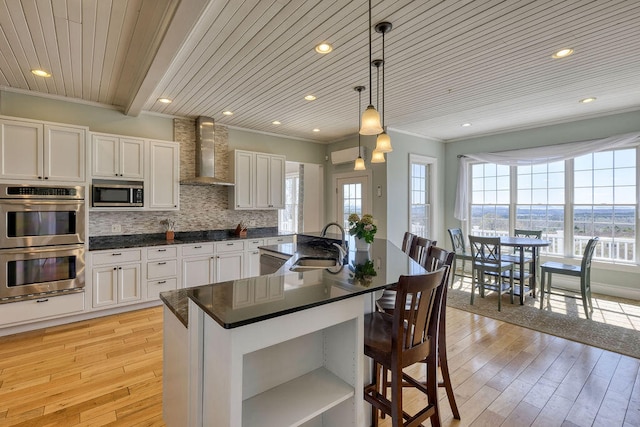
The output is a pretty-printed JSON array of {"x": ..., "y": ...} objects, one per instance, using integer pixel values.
[
  {"x": 162, "y": 282},
  {"x": 42, "y": 300},
  {"x": 197, "y": 247},
  {"x": 230, "y": 244},
  {"x": 162, "y": 263},
  {"x": 162, "y": 250},
  {"x": 255, "y": 241},
  {"x": 116, "y": 254}
]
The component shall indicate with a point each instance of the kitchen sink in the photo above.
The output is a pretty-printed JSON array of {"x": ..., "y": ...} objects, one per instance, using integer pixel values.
[{"x": 311, "y": 263}]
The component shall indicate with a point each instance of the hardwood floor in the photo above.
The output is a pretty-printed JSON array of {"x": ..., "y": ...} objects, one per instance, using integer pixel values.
[
  {"x": 105, "y": 371},
  {"x": 108, "y": 371}
]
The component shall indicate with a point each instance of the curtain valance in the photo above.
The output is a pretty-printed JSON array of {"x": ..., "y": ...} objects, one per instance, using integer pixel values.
[{"x": 532, "y": 156}]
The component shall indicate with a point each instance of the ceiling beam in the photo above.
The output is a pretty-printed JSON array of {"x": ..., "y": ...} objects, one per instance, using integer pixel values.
[{"x": 186, "y": 15}]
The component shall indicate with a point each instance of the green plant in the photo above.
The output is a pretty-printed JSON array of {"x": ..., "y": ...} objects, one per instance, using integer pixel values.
[{"x": 362, "y": 228}]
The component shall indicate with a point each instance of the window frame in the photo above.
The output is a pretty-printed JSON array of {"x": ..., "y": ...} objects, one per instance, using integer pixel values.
[
  {"x": 431, "y": 189},
  {"x": 569, "y": 209}
]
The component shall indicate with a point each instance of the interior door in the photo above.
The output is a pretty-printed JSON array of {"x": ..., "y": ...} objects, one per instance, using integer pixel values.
[{"x": 352, "y": 197}]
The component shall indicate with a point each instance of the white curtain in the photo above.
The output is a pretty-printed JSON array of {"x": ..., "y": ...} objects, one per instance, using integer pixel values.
[{"x": 532, "y": 156}]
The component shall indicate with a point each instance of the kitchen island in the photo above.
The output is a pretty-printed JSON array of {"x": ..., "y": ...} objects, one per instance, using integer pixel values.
[{"x": 276, "y": 350}]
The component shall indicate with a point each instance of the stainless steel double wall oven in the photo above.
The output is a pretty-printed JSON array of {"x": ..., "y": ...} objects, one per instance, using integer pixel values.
[{"x": 42, "y": 235}]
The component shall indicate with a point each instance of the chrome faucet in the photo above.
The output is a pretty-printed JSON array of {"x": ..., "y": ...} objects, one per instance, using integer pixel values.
[{"x": 342, "y": 247}]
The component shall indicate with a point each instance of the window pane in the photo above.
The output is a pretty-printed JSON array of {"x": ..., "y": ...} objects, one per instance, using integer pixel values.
[{"x": 419, "y": 210}]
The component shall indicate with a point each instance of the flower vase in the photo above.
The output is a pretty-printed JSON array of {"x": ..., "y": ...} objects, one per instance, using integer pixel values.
[{"x": 361, "y": 244}]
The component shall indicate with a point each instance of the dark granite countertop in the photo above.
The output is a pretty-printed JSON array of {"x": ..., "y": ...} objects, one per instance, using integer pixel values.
[
  {"x": 295, "y": 291},
  {"x": 97, "y": 243}
]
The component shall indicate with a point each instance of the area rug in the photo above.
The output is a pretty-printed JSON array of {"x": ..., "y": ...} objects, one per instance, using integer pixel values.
[{"x": 565, "y": 325}]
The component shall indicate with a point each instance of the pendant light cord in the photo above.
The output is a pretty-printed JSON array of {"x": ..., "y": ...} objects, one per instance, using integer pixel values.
[
  {"x": 383, "y": 66},
  {"x": 370, "y": 58},
  {"x": 359, "y": 118}
]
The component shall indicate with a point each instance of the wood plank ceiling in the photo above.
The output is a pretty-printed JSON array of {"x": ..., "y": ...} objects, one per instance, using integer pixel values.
[{"x": 484, "y": 62}]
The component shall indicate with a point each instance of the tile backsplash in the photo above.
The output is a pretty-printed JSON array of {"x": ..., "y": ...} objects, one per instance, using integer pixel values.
[{"x": 201, "y": 207}]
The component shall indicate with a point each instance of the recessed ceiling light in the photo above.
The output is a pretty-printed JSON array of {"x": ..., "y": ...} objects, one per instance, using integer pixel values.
[
  {"x": 310, "y": 98},
  {"x": 40, "y": 73},
  {"x": 275, "y": 122},
  {"x": 562, "y": 53},
  {"x": 165, "y": 100},
  {"x": 228, "y": 113},
  {"x": 316, "y": 130},
  {"x": 587, "y": 100},
  {"x": 324, "y": 47},
  {"x": 465, "y": 125}
]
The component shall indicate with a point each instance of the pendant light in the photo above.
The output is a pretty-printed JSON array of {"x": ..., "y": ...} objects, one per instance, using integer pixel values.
[
  {"x": 359, "y": 165},
  {"x": 377, "y": 156},
  {"x": 370, "y": 123},
  {"x": 383, "y": 142}
]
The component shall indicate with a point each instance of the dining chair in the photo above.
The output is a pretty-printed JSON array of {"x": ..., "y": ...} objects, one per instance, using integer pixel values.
[
  {"x": 402, "y": 339},
  {"x": 583, "y": 271},
  {"x": 436, "y": 258},
  {"x": 486, "y": 253},
  {"x": 419, "y": 247},
  {"x": 460, "y": 248},
  {"x": 407, "y": 241},
  {"x": 514, "y": 257}
]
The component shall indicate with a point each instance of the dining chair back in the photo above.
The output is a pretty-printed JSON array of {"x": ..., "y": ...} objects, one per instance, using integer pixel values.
[
  {"x": 527, "y": 258},
  {"x": 486, "y": 253},
  {"x": 402, "y": 339},
  {"x": 419, "y": 248},
  {"x": 583, "y": 271},
  {"x": 407, "y": 241},
  {"x": 459, "y": 247}
]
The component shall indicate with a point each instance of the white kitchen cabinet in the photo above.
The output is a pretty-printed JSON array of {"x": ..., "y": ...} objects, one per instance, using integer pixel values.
[
  {"x": 47, "y": 307},
  {"x": 198, "y": 265},
  {"x": 270, "y": 170},
  {"x": 116, "y": 277},
  {"x": 259, "y": 180},
  {"x": 163, "y": 187},
  {"x": 279, "y": 240},
  {"x": 241, "y": 195},
  {"x": 113, "y": 156},
  {"x": 229, "y": 266},
  {"x": 252, "y": 257},
  {"x": 36, "y": 151},
  {"x": 162, "y": 270}
]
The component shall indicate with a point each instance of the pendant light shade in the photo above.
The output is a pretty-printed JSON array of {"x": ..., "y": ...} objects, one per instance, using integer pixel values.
[
  {"x": 370, "y": 122},
  {"x": 383, "y": 143},
  {"x": 377, "y": 157},
  {"x": 359, "y": 164}
]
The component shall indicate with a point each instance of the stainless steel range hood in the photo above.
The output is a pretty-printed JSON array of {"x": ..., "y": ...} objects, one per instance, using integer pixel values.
[{"x": 205, "y": 155}]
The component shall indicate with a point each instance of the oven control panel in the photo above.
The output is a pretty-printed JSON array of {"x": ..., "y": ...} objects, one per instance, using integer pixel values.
[{"x": 27, "y": 191}]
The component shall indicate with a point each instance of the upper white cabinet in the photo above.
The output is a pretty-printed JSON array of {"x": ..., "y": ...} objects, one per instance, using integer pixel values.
[
  {"x": 36, "y": 151},
  {"x": 259, "y": 180},
  {"x": 270, "y": 171},
  {"x": 163, "y": 187},
  {"x": 116, "y": 157}
]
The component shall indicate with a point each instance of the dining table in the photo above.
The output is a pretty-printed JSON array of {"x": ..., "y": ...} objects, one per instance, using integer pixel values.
[{"x": 520, "y": 244}]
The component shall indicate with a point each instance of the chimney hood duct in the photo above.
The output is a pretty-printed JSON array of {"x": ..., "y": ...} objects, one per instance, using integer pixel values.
[{"x": 205, "y": 155}]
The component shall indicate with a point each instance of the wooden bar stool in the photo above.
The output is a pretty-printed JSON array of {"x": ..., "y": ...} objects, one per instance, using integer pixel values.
[{"x": 402, "y": 339}]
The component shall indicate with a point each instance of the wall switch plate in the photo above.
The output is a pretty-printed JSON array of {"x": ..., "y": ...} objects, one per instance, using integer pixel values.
[{"x": 116, "y": 228}]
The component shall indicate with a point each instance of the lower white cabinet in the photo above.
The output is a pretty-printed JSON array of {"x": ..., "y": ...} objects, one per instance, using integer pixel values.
[
  {"x": 162, "y": 270},
  {"x": 116, "y": 284},
  {"x": 229, "y": 260},
  {"x": 252, "y": 257},
  {"x": 116, "y": 277},
  {"x": 198, "y": 265},
  {"x": 41, "y": 308}
]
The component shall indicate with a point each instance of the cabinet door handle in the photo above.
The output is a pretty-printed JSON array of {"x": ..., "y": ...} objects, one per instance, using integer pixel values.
[
  {"x": 46, "y": 177},
  {"x": 115, "y": 268},
  {"x": 39, "y": 177},
  {"x": 116, "y": 254},
  {"x": 42, "y": 300},
  {"x": 162, "y": 263},
  {"x": 162, "y": 282},
  {"x": 119, "y": 268}
]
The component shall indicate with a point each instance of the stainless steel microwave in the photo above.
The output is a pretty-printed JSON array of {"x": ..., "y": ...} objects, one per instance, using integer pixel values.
[{"x": 111, "y": 193}]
